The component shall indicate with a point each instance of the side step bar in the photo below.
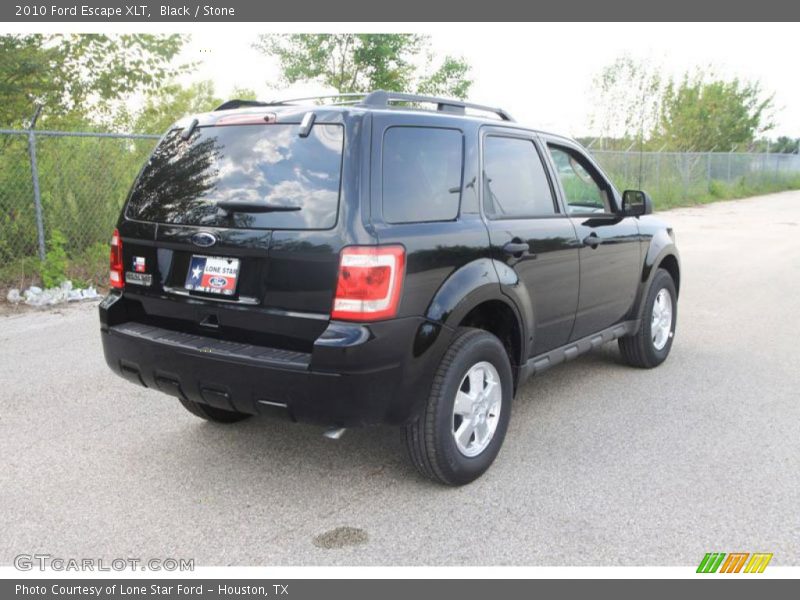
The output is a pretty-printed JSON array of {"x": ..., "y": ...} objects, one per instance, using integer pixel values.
[{"x": 540, "y": 363}]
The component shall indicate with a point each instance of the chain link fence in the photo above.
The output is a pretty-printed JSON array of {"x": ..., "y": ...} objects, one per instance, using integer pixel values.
[
  {"x": 17, "y": 208},
  {"x": 671, "y": 178},
  {"x": 64, "y": 190}
]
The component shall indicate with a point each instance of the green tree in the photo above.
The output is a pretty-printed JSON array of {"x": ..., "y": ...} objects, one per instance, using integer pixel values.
[
  {"x": 80, "y": 74},
  {"x": 173, "y": 101},
  {"x": 627, "y": 103},
  {"x": 634, "y": 103},
  {"x": 352, "y": 62},
  {"x": 83, "y": 82},
  {"x": 786, "y": 145},
  {"x": 703, "y": 113}
]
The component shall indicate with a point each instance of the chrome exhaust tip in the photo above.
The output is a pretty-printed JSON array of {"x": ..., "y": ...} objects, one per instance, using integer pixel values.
[{"x": 334, "y": 433}]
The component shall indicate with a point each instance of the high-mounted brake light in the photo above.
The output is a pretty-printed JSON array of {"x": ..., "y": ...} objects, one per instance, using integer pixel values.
[
  {"x": 247, "y": 119},
  {"x": 369, "y": 284},
  {"x": 116, "y": 273}
]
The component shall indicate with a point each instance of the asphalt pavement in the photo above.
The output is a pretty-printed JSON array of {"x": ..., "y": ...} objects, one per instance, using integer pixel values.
[{"x": 602, "y": 464}]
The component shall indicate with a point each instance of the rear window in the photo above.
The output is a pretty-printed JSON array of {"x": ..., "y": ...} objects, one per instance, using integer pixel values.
[
  {"x": 421, "y": 174},
  {"x": 183, "y": 180}
]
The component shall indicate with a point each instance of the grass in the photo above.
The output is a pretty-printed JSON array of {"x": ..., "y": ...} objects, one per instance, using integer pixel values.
[
  {"x": 720, "y": 190},
  {"x": 674, "y": 193},
  {"x": 84, "y": 269}
]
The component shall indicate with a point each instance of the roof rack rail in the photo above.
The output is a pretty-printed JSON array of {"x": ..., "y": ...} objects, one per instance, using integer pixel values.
[
  {"x": 382, "y": 99},
  {"x": 322, "y": 97},
  {"x": 230, "y": 104},
  {"x": 379, "y": 99}
]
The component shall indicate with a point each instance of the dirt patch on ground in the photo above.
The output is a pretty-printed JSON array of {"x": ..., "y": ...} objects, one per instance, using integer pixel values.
[{"x": 341, "y": 537}]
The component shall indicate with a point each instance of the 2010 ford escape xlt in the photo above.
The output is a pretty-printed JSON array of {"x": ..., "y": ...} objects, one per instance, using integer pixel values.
[{"x": 377, "y": 261}]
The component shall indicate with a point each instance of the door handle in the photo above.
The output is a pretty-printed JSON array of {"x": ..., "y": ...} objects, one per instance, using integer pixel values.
[
  {"x": 514, "y": 248},
  {"x": 592, "y": 240}
]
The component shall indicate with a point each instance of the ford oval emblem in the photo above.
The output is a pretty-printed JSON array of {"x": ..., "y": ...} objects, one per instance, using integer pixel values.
[
  {"x": 218, "y": 282},
  {"x": 204, "y": 239}
]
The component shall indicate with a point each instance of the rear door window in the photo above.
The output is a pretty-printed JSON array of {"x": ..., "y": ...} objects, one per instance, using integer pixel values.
[
  {"x": 421, "y": 174},
  {"x": 271, "y": 164},
  {"x": 515, "y": 182}
]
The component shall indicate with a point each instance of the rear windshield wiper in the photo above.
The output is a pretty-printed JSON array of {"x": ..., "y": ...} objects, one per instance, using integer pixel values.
[{"x": 252, "y": 206}]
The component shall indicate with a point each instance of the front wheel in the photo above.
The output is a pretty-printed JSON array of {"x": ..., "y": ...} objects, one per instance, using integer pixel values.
[
  {"x": 650, "y": 346},
  {"x": 462, "y": 428}
]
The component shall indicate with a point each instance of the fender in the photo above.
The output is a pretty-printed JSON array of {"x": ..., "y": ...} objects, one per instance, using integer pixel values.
[
  {"x": 467, "y": 287},
  {"x": 521, "y": 300},
  {"x": 660, "y": 244}
]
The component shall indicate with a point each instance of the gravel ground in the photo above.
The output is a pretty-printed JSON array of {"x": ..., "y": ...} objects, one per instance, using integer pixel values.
[{"x": 602, "y": 465}]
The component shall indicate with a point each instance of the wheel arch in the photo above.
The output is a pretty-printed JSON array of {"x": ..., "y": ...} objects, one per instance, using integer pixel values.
[
  {"x": 472, "y": 297},
  {"x": 661, "y": 253},
  {"x": 501, "y": 320},
  {"x": 672, "y": 266}
]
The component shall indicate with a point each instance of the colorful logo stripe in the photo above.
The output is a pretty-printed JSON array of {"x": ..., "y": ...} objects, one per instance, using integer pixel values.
[
  {"x": 758, "y": 562},
  {"x": 734, "y": 562},
  {"x": 711, "y": 562}
]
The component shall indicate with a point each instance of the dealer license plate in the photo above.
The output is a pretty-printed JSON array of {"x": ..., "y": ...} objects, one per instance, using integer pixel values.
[{"x": 212, "y": 275}]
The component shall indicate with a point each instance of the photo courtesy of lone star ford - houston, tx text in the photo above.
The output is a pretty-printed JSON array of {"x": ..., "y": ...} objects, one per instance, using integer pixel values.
[{"x": 317, "y": 300}]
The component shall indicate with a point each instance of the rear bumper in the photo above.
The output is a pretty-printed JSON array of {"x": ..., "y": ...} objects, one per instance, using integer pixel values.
[{"x": 355, "y": 375}]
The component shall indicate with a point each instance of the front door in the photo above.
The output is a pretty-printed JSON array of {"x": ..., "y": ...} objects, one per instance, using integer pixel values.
[{"x": 610, "y": 262}]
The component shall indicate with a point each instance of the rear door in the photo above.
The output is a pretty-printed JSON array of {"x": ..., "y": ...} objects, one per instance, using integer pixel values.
[
  {"x": 263, "y": 272},
  {"x": 424, "y": 197},
  {"x": 530, "y": 234},
  {"x": 610, "y": 262}
]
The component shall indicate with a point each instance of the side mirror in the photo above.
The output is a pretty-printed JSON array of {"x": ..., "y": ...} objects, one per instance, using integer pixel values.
[{"x": 636, "y": 203}]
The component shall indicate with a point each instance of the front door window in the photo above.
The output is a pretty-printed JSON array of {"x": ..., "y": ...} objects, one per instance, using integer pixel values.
[{"x": 585, "y": 192}]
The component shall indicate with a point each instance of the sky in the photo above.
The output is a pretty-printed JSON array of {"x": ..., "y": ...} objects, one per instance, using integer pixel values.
[{"x": 542, "y": 73}]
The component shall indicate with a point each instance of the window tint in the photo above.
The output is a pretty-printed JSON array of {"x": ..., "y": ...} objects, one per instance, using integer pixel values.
[
  {"x": 584, "y": 191},
  {"x": 421, "y": 174},
  {"x": 515, "y": 182},
  {"x": 184, "y": 179}
]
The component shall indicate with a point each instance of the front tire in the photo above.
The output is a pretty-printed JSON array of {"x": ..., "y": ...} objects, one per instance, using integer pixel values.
[
  {"x": 650, "y": 346},
  {"x": 462, "y": 427}
]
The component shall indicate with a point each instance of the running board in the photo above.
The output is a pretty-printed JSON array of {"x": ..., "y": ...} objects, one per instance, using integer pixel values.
[{"x": 540, "y": 363}]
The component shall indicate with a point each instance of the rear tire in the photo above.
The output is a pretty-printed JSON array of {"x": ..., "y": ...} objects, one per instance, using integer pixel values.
[
  {"x": 650, "y": 346},
  {"x": 211, "y": 413},
  {"x": 460, "y": 432}
]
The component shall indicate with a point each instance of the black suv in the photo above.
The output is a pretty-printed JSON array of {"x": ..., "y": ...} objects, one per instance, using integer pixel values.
[{"x": 372, "y": 261}]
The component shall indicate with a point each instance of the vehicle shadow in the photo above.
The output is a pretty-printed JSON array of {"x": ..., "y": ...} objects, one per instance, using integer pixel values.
[
  {"x": 263, "y": 447},
  {"x": 277, "y": 449}
]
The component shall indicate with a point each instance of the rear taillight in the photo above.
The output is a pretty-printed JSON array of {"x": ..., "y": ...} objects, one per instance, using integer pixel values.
[
  {"x": 116, "y": 275},
  {"x": 369, "y": 284}
]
